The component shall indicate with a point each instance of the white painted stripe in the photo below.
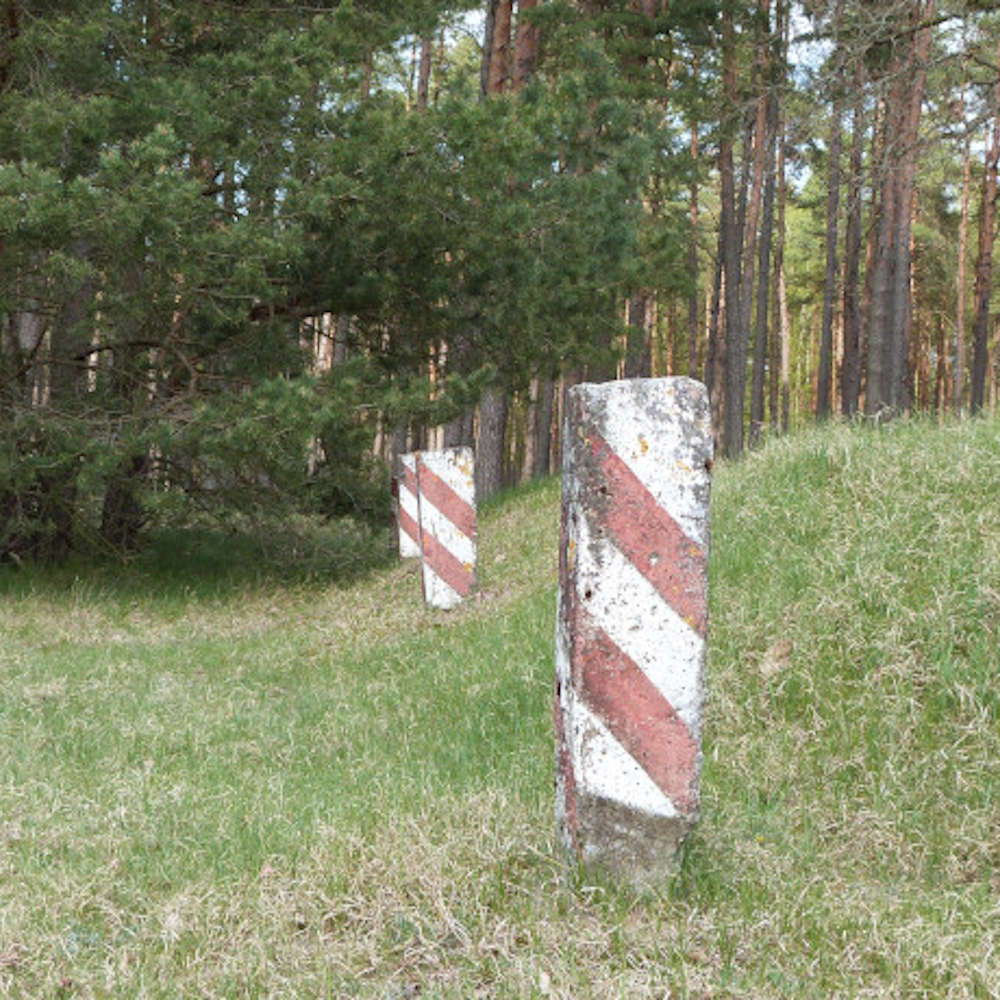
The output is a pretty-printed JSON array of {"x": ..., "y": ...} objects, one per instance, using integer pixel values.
[
  {"x": 438, "y": 593},
  {"x": 605, "y": 768},
  {"x": 408, "y": 501},
  {"x": 435, "y": 523},
  {"x": 641, "y": 426},
  {"x": 640, "y": 623},
  {"x": 455, "y": 467},
  {"x": 601, "y": 765},
  {"x": 409, "y": 548}
]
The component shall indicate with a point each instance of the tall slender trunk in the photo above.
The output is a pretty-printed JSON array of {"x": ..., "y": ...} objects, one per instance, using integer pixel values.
[
  {"x": 498, "y": 74},
  {"x": 825, "y": 373},
  {"x": 731, "y": 245},
  {"x": 963, "y": 249},
  {"x": 638, "y": 358},
  {"x": 424, "y": 75},
  {"x": 692, "y": 259},
  {"x": 879, "y": 316},
  {"x": 888, "y": 385},
  {"x": 777, "y": 394},
  {"x": 984, "y": 261},
  {"x": 495, "y": 402},
  {"x": 760, "y": 352},
  {"x": 906, "y": 203},
  {"x": 525, "y": 45},
  {"x": 715, "y": 348},
  {"x": 542, "y": 451},
  {"x": 941, "y": 372},
  {"x": 489, "y": 24},
  {"x": 850, "y": 381}
]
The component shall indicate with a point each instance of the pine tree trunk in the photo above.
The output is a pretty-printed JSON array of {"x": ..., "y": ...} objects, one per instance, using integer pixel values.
[
  {"x": 963, "y": 249},
  {"x": 490, "y": 449},
  {"x": 760, "y": 352},
  {"x": 692, "y": 260},
  {"x": 825, "y": 373},
  {"x": 424, "y": 74},
  {"x": 779, "y": 371},
  {"x": 638, "y": 362},
  {"x": 489, "y": 24},
  {"x": 542, "y": 452},
  {"x": 525, "y": 45},
  {"x": 888, "y": 385},
  {"x": 498, "y": 75},
  {"x": 984, "y": 263},
  {"x": 735, "y": 353},
  {"x": 786, "y": 352},
  {"x": 880, "y": 318},
  {"x": 715, "y": 350},
  {"x": 850, "y": 382}
]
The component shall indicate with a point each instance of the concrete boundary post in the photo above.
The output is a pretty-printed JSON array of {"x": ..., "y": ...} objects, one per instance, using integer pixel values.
[
  {"x": 407, "y": 514},
  {"x": 632, "y": 622},
  {"x": 447, "y": 518}
]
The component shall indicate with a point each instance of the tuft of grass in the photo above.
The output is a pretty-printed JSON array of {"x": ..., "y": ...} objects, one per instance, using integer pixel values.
[{"x": 220, "y": 777}]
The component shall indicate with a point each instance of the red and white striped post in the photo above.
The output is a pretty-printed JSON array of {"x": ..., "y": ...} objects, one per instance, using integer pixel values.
[
  {"x": 407, "y": 512},
  {"x": 447, "y": 507},
  {"x": 633, "y": 610}
]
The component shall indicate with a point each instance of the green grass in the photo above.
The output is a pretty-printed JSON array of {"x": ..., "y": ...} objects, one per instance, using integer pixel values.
[{"x": 229, "y": 774}]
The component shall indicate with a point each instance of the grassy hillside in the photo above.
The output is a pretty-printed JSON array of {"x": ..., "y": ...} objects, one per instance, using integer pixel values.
[{"x": 220, "y": 780}]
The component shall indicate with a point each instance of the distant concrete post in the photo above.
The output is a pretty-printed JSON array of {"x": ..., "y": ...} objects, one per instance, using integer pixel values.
[
  {"x": 407, "y": 514},
  {"x": 633, "y": 609},
  {"x": 447, "y": 504}
]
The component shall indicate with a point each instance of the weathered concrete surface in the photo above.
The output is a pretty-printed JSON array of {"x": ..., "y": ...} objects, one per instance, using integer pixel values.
[
  {"x": 632, "y": 621},
  {"x": 447, "y": 504},
  {"x": 407, "y": 513}
]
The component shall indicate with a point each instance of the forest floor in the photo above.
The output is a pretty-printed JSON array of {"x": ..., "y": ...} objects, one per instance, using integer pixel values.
[{"x": 222, "y": 780}]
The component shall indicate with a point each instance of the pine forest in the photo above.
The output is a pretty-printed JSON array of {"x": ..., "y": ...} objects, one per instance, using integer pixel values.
[{"x": 250, "y": 253}]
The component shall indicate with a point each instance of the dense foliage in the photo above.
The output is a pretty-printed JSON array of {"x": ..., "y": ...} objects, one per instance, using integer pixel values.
[{"x": 250, "y": 252}]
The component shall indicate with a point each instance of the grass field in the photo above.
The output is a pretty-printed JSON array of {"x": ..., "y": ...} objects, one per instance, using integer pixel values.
[{"x": 223, "y": 777}]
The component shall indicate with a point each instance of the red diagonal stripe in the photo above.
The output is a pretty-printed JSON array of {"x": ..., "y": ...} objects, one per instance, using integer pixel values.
[
  {"x": 639, "y": 717},
  {"x": 410, "y": 479},
  {"x": 439, "y": 493},
  {"x": 409, "y": 526},
  {"x": 456, "y": 574},
  {"x": 652, "y": 540}
]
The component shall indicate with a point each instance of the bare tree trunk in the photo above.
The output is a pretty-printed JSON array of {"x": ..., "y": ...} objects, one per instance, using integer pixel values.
[
  {"x": 850, "y": 381},
  {"x": 715, "y": 350},
  {"x": 900, "y": 374},
  {"x": 735, "y": 339},
  {"x": 525, "y": 45},
  {"x": 892, "y": 308},
  {"x": 638, "y": 360},
  {"x": 489, "y": 24},
  {"x": 963, "y": 249},
  {"x": 880, "y": 318},
  {"x": 494, "y": 405},
  {"x": 984, "y": 261},
  {"x": 542, "y": 451},
  {"x": 498, "y": 75},
  {"x": 490, "y": 450},
  {"x": 779, "y": 367},
  {"x": 786, "y": 352},
  {"x": 760, "y": 353},
  {"x": 693, "y": 251},
  {"x": 825, "y": 373},
  {"x": 424, "y": 76}
]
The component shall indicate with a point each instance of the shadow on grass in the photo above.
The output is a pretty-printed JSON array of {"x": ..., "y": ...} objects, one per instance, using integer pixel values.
[{"x": 211, "y": 564}]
